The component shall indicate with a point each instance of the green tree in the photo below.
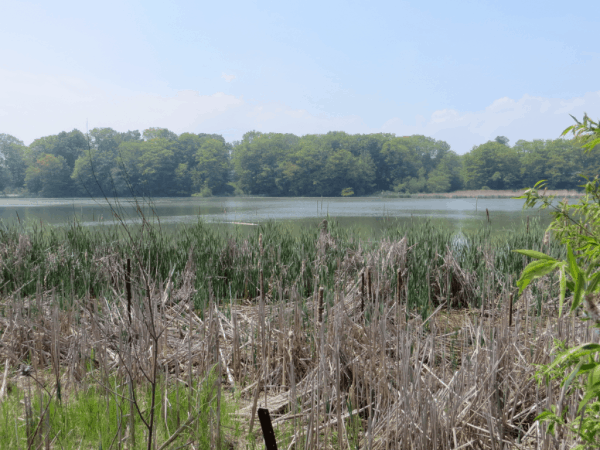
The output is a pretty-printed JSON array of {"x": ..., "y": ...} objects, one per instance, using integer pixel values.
[
  {"x": 186, "y": 148},
  {"x": 396, "y": 155},
  {"x": 373, "y": 145},
  {"x": 148, "y": 167},
  {"x": 502, "y": 140},
  {"x": 302, "y": 173},
  {"x": 129, "y": 154},
  {"x": 159, "y": 133},
  {"x": 68, "y": 145},
  {"x": 438, "y": 181},
  {"x": 258, "y": 162},
  {"x": 344, "y": 170},
  {"x": 362, "y": 178},
  {"x": 492, "y": 164},
  {"x": 430, "y": 151},
  {"x": 402, "y": 164},
  {"x": 97, "y": 174},
  {"x": 156, "y": 167},
  {"x": 560, "y": 162},
  {"x": 12, "y": 160},
  {"x": 49, "y": 177},
  {"x": 445, "y": 177},
  {"x": 3, "y": 178},
  {"x": 96, "y": 171},
  {"x": 211, "y": 174}
]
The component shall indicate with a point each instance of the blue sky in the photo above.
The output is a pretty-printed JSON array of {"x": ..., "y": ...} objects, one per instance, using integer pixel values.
[{"x": 462, "y": 71}]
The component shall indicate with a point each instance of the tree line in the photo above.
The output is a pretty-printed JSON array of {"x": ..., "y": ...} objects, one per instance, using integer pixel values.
[{"x": 158, "y": 162}]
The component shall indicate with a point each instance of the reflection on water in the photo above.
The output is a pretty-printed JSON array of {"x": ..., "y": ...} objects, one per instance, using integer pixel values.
[{"x": 362, "y": 213}]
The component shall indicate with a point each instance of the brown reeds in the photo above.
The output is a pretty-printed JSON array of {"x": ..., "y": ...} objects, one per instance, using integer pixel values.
[{"x": 354, "y": 375}]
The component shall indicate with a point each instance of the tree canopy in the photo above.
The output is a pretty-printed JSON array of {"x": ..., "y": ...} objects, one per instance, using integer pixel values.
[{"x": 158, "y": 162}]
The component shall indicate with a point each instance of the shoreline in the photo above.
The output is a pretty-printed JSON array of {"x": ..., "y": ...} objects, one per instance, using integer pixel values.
[{"x": 562, "y": 193}]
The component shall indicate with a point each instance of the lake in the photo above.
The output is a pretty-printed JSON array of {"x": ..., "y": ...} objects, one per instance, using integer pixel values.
[{"x": 368, "y": 214}]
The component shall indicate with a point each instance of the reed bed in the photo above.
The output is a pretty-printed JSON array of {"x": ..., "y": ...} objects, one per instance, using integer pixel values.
[
  {"x": 413, "y": 340},
  {"x": 77, "y": 260}
]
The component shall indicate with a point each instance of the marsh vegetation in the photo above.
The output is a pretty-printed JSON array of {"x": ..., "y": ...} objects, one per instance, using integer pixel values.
[{"x": 137, "y": 338}]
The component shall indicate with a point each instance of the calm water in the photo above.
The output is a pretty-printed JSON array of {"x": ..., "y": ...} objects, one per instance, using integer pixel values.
[{"x": 368, "y": 214}]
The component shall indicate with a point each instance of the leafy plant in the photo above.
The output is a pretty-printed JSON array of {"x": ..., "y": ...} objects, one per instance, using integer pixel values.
[{"x": 578, "y": 228}]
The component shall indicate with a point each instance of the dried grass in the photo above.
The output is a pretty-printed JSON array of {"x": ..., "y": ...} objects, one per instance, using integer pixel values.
[{"x": 370, "y": 374}]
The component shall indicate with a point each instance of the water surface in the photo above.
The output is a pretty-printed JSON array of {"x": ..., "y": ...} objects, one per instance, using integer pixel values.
[{"x": 365, "y": 213}]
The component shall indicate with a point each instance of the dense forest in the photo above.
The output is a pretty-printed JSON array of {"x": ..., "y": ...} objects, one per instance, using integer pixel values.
[{"x": 158, "y": 162}]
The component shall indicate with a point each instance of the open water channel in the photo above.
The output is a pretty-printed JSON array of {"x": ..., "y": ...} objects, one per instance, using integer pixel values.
[{"x": 368, "y": 214}]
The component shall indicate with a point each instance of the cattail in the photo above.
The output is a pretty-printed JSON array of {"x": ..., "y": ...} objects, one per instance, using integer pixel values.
[
  {"x": 324, "y": 225},
  {"x": 546, "y": 241},
  {"x": 321, "y": 290}
]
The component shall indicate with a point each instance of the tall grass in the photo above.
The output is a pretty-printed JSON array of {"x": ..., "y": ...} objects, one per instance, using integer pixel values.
[
  {"x": 407, "y": 340},
  {"x": 77, "y": 260}
]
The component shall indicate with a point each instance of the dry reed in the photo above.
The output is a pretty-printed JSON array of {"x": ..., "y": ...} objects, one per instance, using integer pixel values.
[{"x": 350, "y": 367}]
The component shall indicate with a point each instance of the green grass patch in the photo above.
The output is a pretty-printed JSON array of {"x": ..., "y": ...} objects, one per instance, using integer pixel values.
[{"x": 100, "y": 418}]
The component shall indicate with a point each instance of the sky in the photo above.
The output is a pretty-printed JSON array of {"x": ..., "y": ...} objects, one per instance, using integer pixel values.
[{"x": 462, "y": 71}]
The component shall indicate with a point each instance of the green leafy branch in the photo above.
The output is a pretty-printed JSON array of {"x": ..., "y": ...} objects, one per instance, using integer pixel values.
[
  {"x": 587, "y": 132},
  {"x": 578, "y": 228}
]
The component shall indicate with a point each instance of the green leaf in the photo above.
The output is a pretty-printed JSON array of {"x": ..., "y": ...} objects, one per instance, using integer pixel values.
[
  {"x": 536, "y": 269},
  {"x": 578, "y": 277},
  {"x": 562, "y": 277},
  {"x": 573, "y": 267},
  {"x": 545, "y": 415},
  {"x": 590, "y": 393},
  {"x": 573, "y": 374},
  {"x": 534, "y": 254},
  {"x": 594, "y": 376},
  {"x": 574, "y": 353},
  {"x": 578, "y": 293},
  {"x": 594, "y": 280}
]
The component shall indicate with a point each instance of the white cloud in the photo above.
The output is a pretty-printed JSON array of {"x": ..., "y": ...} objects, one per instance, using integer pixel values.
[
  {"x": 33, "y": 105},
  {"x": 526, "y": 118},
  {"x": 227, "y": 78}
]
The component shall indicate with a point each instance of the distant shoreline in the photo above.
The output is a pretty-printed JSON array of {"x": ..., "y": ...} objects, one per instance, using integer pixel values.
[{"x": 560, "y": 193}]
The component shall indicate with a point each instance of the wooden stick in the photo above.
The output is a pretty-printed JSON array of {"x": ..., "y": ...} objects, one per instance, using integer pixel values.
[
  {"x": 399, "y": 285},
  {"x": 510, "y": 309},
  {"x": 267, "y": 429},
  {"x": 362, "y": 292},
  {"x": 369, "y": 285},
  {"x": 128, "y": 288}
]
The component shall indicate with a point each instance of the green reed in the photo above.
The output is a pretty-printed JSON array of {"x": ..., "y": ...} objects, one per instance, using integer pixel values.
[
  {"x": 95, "y": 417},
  {"x": 74, "y": 259}
]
